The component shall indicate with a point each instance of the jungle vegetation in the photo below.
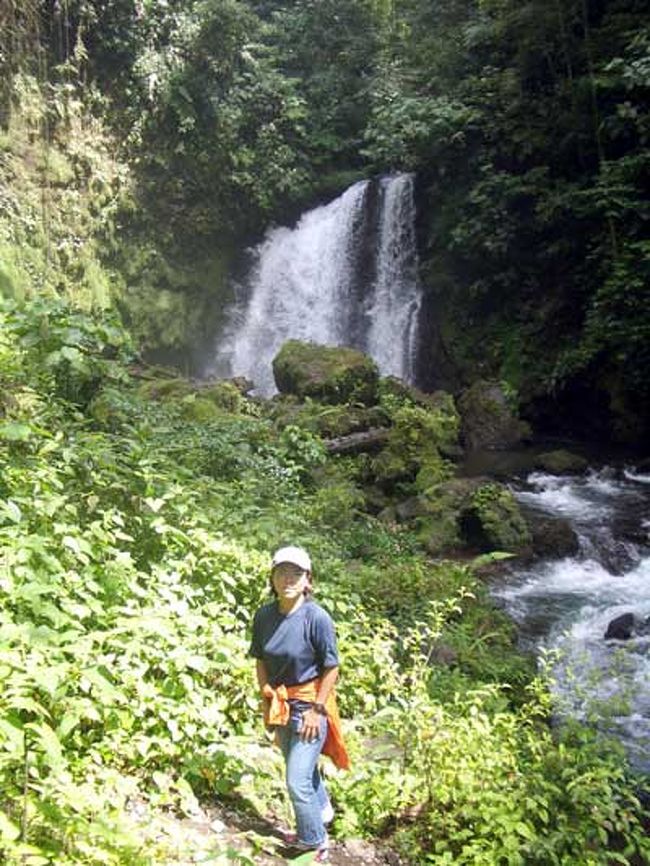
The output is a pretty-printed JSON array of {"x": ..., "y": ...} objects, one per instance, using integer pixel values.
[{"x": 143, "y": 144}]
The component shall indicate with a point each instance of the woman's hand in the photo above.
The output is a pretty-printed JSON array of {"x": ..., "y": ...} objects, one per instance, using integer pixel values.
[{"x": 310, "y": 730}]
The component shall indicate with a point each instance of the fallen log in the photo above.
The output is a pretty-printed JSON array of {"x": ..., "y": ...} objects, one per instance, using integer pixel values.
[{"x": 367, "y": 440}]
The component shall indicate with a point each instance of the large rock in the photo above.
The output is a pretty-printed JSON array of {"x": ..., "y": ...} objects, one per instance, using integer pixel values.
[
  {"x": 326, "y": 373},
  {"x": 325, "y": 420},
  {"x": 491, "y": 520},
  {"x": 414, "y": 451},
  {"x": 471, "y": 513},
  {"x": 561, "y": 462},
  {"x": 488, "y": 422},
  {"x": 627, "y": 626},
  {"x": 622, "y": 627},
  {"x": 551, "y": 537}
]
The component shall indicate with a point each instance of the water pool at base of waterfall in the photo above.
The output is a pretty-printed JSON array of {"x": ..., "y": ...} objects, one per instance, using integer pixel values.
[{"x": 565, "y": 606}]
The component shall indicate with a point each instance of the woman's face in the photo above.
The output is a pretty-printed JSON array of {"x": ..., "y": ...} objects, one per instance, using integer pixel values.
[{"x": 289, "y": 581}]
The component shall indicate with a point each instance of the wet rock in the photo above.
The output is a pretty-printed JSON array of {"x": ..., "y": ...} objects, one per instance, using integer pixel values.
[
  {"x": 487, "y": 419},
  {"x": 332, "y": 375},
  {"x": 551, "y": 537},
  {"x": 561, "y": 462},
  {"x": 622, "y": 627}
]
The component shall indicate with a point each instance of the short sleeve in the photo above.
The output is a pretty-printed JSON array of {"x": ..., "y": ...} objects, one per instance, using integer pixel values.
[
  {"x": 256, "y": 649},
  {"x": 323, "y": 638}
]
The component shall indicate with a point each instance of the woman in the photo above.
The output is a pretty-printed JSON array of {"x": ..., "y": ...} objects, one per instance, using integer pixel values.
[{"x": 297, "y": 666}]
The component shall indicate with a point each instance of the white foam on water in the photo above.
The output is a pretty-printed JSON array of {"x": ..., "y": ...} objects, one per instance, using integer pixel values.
[
  {"x": 604, "y": 482},
  {"x": 568, "y": 604},
  {"x": 638, "y": 477},
  {"x": 561, "y": 495}
]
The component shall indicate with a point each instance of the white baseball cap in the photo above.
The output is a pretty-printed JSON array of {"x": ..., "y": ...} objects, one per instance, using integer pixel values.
[{"x": 295, "y": 555}]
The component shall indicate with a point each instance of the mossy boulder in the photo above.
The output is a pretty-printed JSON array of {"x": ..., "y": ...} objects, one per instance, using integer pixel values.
[
  {"x": 444, "y": 420},
  {"x": 561, "y": 462},
  {"x": 224, "y": 395},
  {"x": 331, "y": 374},
  {"x": 389, "y": 467},
  {"x": 492, "y": 520},
  {"x": 471, "y": 513},
  {"x": 438, "y": 521},
  {"x": 199, "y": 409},
  {"x": 413, "y": 452},
  {"x": 488, "y": 422},
  {"x": 175, "y": 388},
  {"x": 326, "y": 420},
  {"x": 201, "y": 401},
  {"x": 111, "y": 408}
]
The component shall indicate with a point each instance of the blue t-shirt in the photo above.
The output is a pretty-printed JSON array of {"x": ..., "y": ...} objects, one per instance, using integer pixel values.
[{"x": 297, "y": 647}]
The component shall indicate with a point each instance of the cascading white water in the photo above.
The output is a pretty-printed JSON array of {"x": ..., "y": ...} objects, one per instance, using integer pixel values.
[
  {"x": 568, "y": 604},
  {"x": 346, "y": 275},
  {"x": 396, "y": 299}
]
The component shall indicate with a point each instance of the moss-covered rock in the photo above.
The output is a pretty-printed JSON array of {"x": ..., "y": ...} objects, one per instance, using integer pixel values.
[
  {"x": 487, "y": 419},
  {"x": 175, "y": 388},
  {"x": 199, "y": 409},
  {"x": 438, "y": 523},
  {"x": 389, "y": 467},
  {"x": 201, "y": 401},
  {"x": 224, "y": 394},
  {"x": 413, "y": 451},
  {"x": 326, "y": 373},
  {"x": 470, "y": 513},
  {"x": 326, "y": 420},
  {"x": 491, "y": 520},
  {"x": 561, "y": 462},
  {"x": 110, "y": 408}
]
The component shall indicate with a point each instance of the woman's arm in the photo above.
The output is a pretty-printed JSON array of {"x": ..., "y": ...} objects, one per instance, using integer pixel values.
[
  {"x": 310, "y": 718},
  {"x": 262, "y": 673},
  {"x": 262, "y": 680}
]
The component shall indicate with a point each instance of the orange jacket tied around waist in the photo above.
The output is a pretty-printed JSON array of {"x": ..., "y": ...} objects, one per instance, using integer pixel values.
[{"x": 277, "y": 712}]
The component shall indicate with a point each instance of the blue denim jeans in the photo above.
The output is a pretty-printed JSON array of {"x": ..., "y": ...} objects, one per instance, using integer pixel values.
[{"x": 306, "y": 789}]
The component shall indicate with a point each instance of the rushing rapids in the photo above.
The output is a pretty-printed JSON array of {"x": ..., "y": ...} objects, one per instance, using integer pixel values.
[
  {"x": 567, "y": 604},
  {"x": 345, "y": 275}
]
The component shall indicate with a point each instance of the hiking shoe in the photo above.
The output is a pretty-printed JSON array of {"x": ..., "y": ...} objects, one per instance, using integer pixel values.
[{"x": 322, "y": 852}]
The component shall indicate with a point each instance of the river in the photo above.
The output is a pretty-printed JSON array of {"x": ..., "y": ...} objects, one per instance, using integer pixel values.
[{"x": 565, "y": 605}]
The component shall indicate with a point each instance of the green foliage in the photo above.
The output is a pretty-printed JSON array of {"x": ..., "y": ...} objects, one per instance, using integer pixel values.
[
  {"x": 134, "y": 548},
  {"x": 60, "y": 190},
  {"x": 414, "y": 442}
]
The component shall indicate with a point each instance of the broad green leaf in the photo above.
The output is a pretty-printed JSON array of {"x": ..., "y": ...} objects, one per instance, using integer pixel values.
[
  {"x": 9, "y": 831},
  {"x": 12, "y": 431},
  {"x": 9, "y": 509},
  {"x": 49, "y": 742}
]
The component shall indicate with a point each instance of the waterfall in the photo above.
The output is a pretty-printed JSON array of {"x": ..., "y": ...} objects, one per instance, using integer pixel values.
[
  {"x": 395, "y": 297},
  {"x": 346, "y": 275}
]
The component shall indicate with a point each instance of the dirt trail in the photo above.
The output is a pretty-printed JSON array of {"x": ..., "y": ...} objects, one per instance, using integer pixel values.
[{"x": 220, "y": 836}]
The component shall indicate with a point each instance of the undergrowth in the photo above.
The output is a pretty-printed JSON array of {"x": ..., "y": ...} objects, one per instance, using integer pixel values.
[{"x": 133, "y": 552}]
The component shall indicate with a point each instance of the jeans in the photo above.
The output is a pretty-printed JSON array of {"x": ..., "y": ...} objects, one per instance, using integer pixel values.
[{"x": 306, "y": 789}]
